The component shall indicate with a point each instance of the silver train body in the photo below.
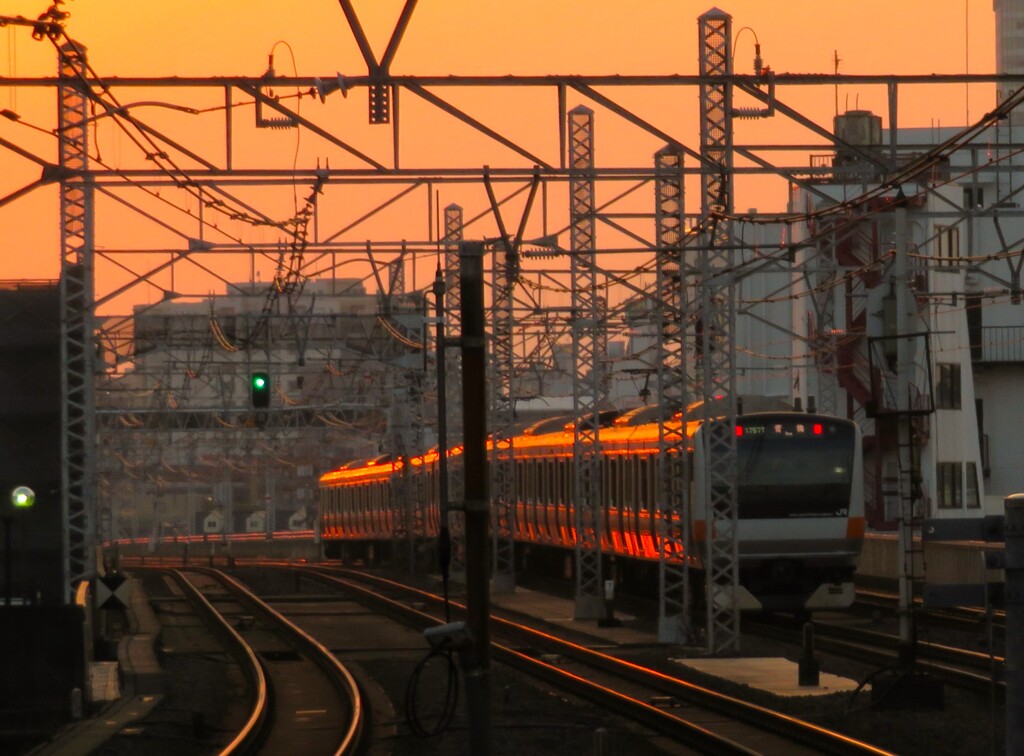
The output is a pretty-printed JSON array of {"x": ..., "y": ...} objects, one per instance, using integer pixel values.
[{"x": 799, "y": 505}]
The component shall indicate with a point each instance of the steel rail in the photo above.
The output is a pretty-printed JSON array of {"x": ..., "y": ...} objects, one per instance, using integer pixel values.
[
  {"x": 752, "y": 714},
  {"x": 259, "y": 716},
  {"x": 351, "y": 741}
]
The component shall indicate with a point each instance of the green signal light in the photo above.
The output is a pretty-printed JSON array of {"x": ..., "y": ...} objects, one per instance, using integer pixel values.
[
  {"x": 23, "y": 497},
  {"x": 260, "y": 390}
]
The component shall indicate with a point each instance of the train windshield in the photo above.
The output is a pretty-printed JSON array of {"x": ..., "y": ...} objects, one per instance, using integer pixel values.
[{"x": 794, "y": 467}]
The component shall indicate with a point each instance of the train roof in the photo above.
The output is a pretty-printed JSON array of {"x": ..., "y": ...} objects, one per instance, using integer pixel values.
[
  {"x": 547, "y": 425},
  {"x": 635, "y": 428},
  {"x": 648, "y": 413}
]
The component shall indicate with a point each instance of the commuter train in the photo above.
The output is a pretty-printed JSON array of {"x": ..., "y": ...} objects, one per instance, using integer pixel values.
[{"x": 799, "y": 484}]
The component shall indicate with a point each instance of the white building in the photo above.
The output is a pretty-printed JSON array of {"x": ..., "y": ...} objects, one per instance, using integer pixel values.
[
  {"x": 179, "y": 436},
  {"x": 962, "y": 327}
]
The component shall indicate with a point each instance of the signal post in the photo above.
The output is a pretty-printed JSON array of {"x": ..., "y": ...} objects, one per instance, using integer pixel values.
[{"x": 477, "y": 665}]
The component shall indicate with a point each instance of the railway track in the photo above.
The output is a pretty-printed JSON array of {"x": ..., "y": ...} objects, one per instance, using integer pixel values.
[
  {"x": 299, "y": 698},
  {"x": 969, "y": 719},
  {"x": 967, "y": 619},
  {"x": 961, "y": 667},
  {"x": 702, "y": 719}
]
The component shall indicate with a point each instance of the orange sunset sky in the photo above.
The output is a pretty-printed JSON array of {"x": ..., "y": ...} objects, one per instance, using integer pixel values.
[{"x": 530, "y": 37}]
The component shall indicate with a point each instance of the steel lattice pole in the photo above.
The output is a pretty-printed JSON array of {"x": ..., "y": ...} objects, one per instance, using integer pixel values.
[
  {"x": 672, "y": 394},
  {"x": 502, "y": 414},
  {"x": 453, "y": 388},
  {"x": 717, "y": 319},
  {"x": 78, "y": 494},
  {"x": 587, "y": 383}
]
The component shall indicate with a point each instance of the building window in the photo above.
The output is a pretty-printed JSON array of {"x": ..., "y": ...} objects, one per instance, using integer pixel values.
[
  {"x": 950, "y": 485},
  {"x": 974, "y": 196},
  {"x": 973, "y": 499},
  {"x": 972, "y": 304},
  {"x": 948, "y": 392},
  {"x": 947, "y": 241}
]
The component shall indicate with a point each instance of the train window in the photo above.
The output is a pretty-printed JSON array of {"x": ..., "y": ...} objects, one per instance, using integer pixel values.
[
  {"x": 616, "y": 468},
  {"x": 539, "y": 513},
  {"x": 629, "y": 480},
  {"x": 643, "y": 469}
]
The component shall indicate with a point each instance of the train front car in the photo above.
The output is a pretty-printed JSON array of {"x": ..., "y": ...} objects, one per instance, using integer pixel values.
[{"x": 800, "y": 509}]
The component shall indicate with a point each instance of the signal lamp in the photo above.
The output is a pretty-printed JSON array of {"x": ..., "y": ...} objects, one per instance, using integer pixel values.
[
  {"x": 23, "y": 497},
  {"x": 260, "y": 390}
]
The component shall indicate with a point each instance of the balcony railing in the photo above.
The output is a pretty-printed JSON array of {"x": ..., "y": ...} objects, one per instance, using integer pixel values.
[{"x": 999, "y": 344}]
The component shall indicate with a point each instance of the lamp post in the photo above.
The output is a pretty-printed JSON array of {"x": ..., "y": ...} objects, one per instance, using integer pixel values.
[{"x": 22, "y": 497}]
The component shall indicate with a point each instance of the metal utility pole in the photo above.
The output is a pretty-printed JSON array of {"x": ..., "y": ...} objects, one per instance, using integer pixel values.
[
  {"x": 477, "y": 500},
  {"x": 453, "y": 380},
  {"x": 587, "y": 385},
  {"x": 717, "y": 316},
  {"x": 1014, "y": 536},
  {"x": 444, "y": 546},
  {"x": 78, "y": 491},
  {"x": 904, "y": 366}
]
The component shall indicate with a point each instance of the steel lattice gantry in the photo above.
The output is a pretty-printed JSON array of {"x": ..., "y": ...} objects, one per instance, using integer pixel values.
[
  {"x": 213, "y": 182},
  {"x": 405, "y": 434},
  {"x": 78, "y": 452},
  {"x": 587, "y": 385},
  {"x": 716, "y": 320},
  {"x": 672, "y": 394}
]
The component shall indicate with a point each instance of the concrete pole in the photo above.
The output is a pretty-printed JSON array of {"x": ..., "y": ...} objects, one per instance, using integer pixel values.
[
  {"x": 444, "y": 546},
  {"x": 477, "y": 501},
  {"x": 1014, "y": 554}
]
